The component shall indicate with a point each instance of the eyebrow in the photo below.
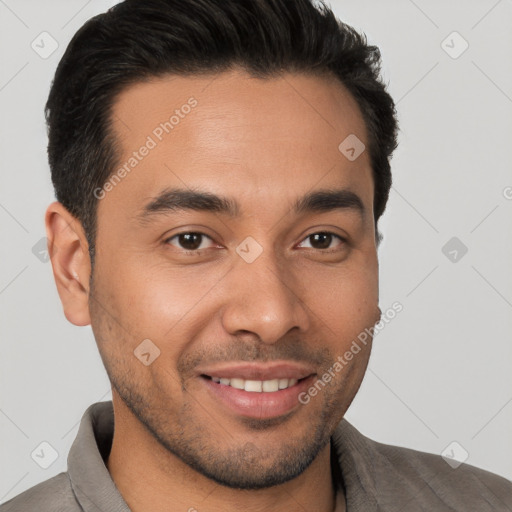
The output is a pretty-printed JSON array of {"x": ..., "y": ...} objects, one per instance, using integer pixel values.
[{"x": 176, "y": 200}]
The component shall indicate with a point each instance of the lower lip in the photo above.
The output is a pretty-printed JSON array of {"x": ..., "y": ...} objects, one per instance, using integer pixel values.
[{"x": 262, "y": 405}]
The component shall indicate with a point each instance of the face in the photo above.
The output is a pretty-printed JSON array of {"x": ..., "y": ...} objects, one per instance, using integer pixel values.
[{"x": 240, "y": 245}]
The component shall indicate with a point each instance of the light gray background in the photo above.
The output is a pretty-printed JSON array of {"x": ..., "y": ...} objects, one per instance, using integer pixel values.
[{"x": 440, "y": 371}]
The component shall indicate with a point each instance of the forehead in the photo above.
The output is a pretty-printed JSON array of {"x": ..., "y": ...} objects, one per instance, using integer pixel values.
[{"x": 237, "y": 135}]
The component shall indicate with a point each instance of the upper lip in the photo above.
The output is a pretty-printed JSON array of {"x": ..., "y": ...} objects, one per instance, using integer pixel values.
[{"x": 258, "y": 371}]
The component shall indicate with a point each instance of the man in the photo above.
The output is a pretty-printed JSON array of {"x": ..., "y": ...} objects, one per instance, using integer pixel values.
[{"x": 220, "y": 168}]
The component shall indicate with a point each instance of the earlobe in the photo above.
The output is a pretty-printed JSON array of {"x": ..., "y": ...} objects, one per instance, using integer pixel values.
[{"x": 69, "y": 254}]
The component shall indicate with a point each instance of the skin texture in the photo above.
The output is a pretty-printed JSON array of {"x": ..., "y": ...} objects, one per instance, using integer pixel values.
[{"x": 264, "y": 143}]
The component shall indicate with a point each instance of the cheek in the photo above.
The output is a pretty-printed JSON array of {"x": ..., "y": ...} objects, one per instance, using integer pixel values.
[
  {"x": 344, "y": 298},
  {"x": 130, "y": 336},
  {"x": 158, "y": 299}
]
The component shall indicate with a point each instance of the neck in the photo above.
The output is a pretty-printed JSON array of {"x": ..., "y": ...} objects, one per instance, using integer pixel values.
[{"x": 150, "y": 478}]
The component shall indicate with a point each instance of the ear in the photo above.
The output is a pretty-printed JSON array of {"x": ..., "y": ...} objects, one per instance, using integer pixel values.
[{"x": 69, "y": 254}]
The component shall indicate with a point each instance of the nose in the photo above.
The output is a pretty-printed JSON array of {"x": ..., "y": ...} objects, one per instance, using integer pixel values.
[{"x": 264, "y": 298}]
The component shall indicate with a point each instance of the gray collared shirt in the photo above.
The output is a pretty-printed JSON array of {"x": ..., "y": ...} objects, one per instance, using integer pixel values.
[{"x": 376, "y": 477}]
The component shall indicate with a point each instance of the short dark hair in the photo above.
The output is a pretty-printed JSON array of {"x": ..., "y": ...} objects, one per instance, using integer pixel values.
[{"x": 139, "y": 39}]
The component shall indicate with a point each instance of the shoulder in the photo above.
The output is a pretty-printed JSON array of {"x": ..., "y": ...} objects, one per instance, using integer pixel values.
[
  {"x": 431, "y": 479},
  {"x": 383, "y": 477},
  {"x": 53, "y": 495}
]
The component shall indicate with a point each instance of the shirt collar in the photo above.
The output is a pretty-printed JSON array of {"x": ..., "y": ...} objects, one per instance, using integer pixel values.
[
  {"x": 91, "y": 482},
  {"x": 96, "y": 491}
]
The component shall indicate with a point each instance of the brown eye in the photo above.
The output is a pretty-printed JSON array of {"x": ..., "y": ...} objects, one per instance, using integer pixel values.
[
  {"x": 189, "y": 241},
  {"x": 323, "y": 240}
]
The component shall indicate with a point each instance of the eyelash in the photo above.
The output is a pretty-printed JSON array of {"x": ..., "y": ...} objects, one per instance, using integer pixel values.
[{"x": 196, "y": 252}]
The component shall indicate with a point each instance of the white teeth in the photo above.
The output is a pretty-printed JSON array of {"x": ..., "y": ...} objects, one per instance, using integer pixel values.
[
  {"x": 270, "y": 385},
  {"x": 256, "y": 386},
  {"x": 237, "y": 383},
  {"x": 253, "y": 386}
]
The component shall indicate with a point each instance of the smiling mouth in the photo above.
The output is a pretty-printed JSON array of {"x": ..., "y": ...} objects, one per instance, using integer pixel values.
[
  {"x": 256, "y": 386},
  {"x": 257, "y": 399}
]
